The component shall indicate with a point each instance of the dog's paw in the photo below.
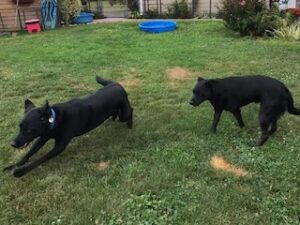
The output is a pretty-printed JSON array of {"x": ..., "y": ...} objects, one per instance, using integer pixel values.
[
  {"x": 213, "y": 130},
  {"x": 241, "y": 125},
  {"x": 129, "y": 124},
  {"x": 18, "y": 172},
  {"x": 9, "y": 168}
]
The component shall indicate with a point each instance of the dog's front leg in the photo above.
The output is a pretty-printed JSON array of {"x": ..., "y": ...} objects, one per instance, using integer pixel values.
[
  {"x": 216, "y": 119},
  {"x": 58, "y": 148},
  {"x": 40, "y": 142},
  {"x": 238, "y": 116}
]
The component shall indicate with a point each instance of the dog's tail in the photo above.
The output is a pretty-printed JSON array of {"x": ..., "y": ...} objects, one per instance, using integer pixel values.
[
  {"x": 103, "y": 81},
  {"x": 290, "y": 104}
]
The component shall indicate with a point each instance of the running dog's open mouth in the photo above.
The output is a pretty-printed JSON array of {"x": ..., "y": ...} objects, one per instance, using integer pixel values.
[
  {"x": 15, "y": 145},
  {"x": 25, "y": 145}
]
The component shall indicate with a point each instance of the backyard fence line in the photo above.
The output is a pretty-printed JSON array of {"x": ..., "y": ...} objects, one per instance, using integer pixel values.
[
  {"x": 14, "y": 19},
  {"x": 8, "y": 18}
]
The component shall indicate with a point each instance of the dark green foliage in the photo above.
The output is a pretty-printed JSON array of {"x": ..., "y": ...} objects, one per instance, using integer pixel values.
[
  {"x": 249, "y": 17},
  {"x": 179, "y": 10},
  {"x": 151, "y": 14},
  {"x": 69, "y": 9}
]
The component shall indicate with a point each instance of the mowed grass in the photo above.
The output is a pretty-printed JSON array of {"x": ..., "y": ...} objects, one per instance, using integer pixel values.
[{"x": 159, "y": 172}]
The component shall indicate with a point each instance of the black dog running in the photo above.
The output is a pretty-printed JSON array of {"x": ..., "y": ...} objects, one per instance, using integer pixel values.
[{"x": 64, "y": 121}]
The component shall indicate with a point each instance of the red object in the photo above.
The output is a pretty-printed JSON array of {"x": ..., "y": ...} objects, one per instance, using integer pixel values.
[
  {"x": 294, "y": 11},
  {"x": 33, "y": 25},
  {"x": 242, "y": 2}
]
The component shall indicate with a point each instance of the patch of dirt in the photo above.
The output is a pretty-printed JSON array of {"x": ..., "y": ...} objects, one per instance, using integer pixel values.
[
  {"x": 130, "y": 80},
  {"x": 219, "y": 163},
  {"x": 178, "y": 73},
  {"x": 130, "y": 83},
  {"x": 102, "y": 165}
]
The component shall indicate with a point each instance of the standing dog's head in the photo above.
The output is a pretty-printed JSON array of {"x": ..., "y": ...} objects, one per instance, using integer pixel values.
[
  {"x": 35, "y": 123},
  {"x": 201, "y": 92}
]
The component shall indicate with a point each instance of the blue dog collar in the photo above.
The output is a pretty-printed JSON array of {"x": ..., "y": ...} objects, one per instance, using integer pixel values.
[{"x": 52, "y": 118}]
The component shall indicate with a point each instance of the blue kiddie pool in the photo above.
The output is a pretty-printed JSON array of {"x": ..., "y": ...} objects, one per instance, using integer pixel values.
[
  {"x": 158, "y": 26},
  {"x": 84, "y": 17}
]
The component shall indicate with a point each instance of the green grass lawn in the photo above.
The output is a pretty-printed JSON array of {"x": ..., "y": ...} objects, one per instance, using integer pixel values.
[{"x": 159, "y": 172}]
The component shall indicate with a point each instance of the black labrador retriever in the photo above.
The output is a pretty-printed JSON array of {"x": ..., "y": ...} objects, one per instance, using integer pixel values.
[
  {"x": 64, "y": 121},
  {"x": 232, "y": 93}
]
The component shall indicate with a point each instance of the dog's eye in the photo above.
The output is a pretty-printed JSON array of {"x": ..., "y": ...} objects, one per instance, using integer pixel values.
[
  {"x": 42, "y": 118},
  {"x": 196, "y": 92}
]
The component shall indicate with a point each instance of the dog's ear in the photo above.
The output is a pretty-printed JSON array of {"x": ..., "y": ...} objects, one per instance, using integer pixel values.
[
  {"x": 46, "y": 109},
  {"x": 28, "y": 105},
  {"x": 210, "y": 84},
  {"x": 46, "y": 106},
  {"x": 200, "y": 78}
]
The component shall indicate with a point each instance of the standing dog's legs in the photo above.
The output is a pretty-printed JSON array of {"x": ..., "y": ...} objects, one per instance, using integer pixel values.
[
  {"x": 126, "y": 114},
  {"x": 40, "y": 142},
  {"x": 216, "y": 119},
  {"x": 273, "y": 127},
  {"x": 58, "y": 148},
  {"x": 268, "y": 117},
  {"x": 238, "y": 116},
  {"x": 129, "y": 120},
  {"x": 265, "y": 121}
]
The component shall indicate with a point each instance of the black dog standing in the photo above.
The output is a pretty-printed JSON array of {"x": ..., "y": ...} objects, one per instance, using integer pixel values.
[
  {"x": 64, "y": 121},
  {"x": 232, "y": 93}
]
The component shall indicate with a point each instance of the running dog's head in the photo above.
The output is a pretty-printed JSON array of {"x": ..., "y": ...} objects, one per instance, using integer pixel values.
[
  {"x": 201, "y": 92},
  {"x": 35, "y": 123}
]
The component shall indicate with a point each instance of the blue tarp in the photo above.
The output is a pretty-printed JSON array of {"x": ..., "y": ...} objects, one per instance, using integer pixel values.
[{"x": 49, "y": 14}]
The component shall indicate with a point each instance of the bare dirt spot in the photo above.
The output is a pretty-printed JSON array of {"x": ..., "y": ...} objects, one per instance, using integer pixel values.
[
  {"x": 219, "y": 163},
  {"x": 130, "y": 83},
  {"x": 102, "y": 165},
  {"x": 178, "y": 73},
  {"x": 130, "y": 80}
]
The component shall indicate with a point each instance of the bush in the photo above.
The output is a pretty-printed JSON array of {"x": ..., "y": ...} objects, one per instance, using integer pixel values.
[
  {"x": 288, "y": 31},
  {"x": 151, "y": 14},
  {"x": 249, "y": 17},
  {"x": 69, "y": 9},
  {"x": 179, "y": 10}
]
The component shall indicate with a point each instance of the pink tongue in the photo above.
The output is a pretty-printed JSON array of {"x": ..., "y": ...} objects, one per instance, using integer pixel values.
[{"x": 25, "y": 145}]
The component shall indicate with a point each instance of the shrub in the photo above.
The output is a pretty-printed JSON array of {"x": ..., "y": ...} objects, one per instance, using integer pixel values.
[
  {"x": 179, "y": 10},
  {"x": 249, "y": 17},
  {"x": 69, "y": 9},
  {"x": 288, "y": 31},
  {"x": 151, "y": 14}
]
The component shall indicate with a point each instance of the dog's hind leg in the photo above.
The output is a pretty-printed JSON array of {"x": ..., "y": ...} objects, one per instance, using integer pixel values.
[
  {"x": 40, "y": 142},
  {"x": 114, "y": 115},
  {"x": 273, "y": 127},
  {"x": 265, "y": 122},
  {"x": 216, "y": 119},
  {"x": 238, "y": 116},
  {"x": 129, "y": 120},
  {"x": 125, "y": 115}
]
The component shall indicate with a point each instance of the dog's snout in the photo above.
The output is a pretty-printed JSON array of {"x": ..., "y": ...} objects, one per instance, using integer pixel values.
[
  {"x": 191, "y": 102},
  {"x": 14, "y": 143}
]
